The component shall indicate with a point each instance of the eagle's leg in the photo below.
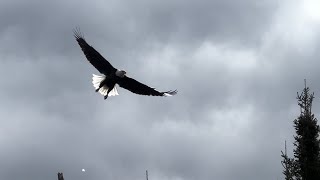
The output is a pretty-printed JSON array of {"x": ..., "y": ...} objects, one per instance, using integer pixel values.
[
  {"x": 102, "y": 83},
  {"x": 100, "y": 86},
  {"x": 106, "y": 96}
]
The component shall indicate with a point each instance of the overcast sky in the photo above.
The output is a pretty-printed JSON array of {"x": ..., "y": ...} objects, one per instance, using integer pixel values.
[{"x": 236, "y": 64}]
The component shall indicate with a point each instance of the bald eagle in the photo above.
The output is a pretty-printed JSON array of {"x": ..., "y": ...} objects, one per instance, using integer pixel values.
[{"x": 105, "y": 84}]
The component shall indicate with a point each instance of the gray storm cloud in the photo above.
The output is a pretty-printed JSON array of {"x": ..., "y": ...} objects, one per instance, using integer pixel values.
[{"x": 237, "y": 66}]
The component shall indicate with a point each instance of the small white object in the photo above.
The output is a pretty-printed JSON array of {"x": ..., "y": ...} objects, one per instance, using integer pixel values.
[{"x": 83, "y": 170}]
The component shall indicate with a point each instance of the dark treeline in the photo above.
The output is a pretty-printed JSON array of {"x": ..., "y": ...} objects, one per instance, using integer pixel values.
[{"x": 305, "y": 165}]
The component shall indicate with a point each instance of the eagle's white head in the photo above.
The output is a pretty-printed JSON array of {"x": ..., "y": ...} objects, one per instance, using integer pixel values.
[{"x": 120, "y": 73}]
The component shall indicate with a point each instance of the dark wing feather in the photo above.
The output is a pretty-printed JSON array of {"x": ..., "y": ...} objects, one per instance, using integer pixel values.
[
  {"x": 93, "y": 56},
  {"x": 142, "y": 89}
]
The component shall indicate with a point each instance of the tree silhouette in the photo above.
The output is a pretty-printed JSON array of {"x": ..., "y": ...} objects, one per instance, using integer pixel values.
[
  {"x": 60, "y": 176},
  {"x": 288, "y": 164},
  {"x": 306, "y": 162}
]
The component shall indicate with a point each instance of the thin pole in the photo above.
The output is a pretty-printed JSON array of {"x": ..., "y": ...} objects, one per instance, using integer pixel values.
[{"x": 147, "y": 174}]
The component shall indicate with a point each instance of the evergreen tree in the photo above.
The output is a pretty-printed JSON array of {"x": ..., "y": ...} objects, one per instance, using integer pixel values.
[
  {"x": 306, "y": 154},
  {"x": 288, "y": 165}
]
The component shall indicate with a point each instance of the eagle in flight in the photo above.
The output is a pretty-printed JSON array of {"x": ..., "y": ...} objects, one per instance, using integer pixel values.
[{"x": 105, "y": 84}]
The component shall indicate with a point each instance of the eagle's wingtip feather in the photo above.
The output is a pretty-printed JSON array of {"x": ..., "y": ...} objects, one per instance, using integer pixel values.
[
  {"x": 170, "y": 93},
  {"x": 77, "y": 33}
]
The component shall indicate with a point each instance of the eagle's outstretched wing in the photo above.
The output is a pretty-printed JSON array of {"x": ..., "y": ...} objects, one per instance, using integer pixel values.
[
  {"x": 93, "y": 56},
  {"x": 142, "y": 89}
]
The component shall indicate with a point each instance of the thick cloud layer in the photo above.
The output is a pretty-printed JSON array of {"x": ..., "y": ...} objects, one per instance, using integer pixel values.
[{"x": 237, "y": 66}]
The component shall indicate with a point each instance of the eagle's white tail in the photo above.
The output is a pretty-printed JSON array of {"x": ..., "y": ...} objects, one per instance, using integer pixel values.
[{"x": 96, "y": 80}]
